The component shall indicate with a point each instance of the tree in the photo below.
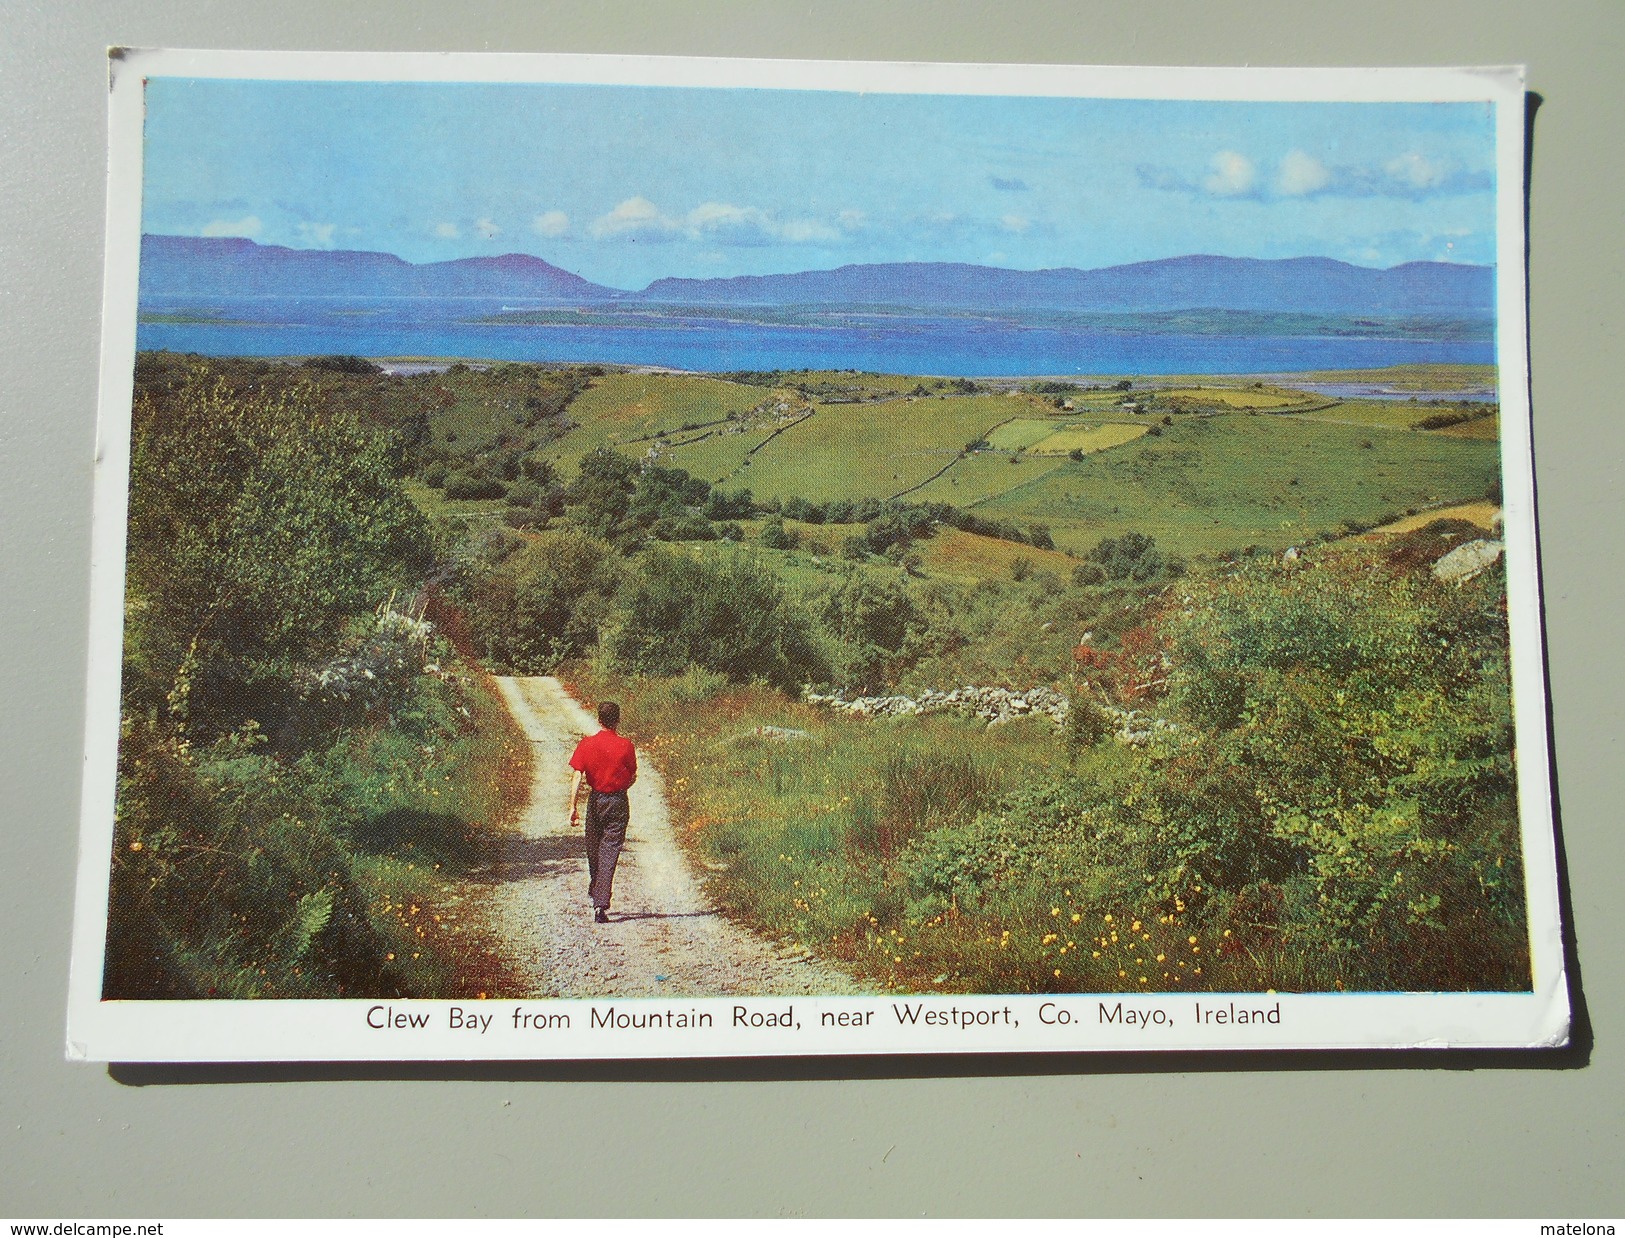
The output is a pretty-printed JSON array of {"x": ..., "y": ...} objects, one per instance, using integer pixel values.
[
  {"x": 729, "y": 505},
  {"x": 728, "y": 615},
  {"x": 1134, "y": 556},
  {"x": 544, "y": 601},
  {"x": 258, "y": 525},
  {"x": 875, "y": 620},
  {"x": 776, "y": 537},
  {"x": 601, "y": 495}
]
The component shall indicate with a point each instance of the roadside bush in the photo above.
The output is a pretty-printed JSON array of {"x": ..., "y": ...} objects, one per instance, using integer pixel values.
[
  {"x": 728, "y": 615},
  {"x": 875, "y": 622},
  {"x": 544, "y": 601},
  {"x": 1363, "y": 719},
  {"x": 228, "y": 882},
  {"x": 258, "y": 526}
]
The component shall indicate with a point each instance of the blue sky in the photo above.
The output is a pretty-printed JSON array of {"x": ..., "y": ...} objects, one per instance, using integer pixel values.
[{"x": 627, "y": 184}]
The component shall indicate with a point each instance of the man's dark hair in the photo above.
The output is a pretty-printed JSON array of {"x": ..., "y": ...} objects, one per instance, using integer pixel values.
[{"x": 609, "y": 714}]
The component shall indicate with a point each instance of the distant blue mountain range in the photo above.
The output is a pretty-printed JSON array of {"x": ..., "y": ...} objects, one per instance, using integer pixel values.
[{"x": 233, "y": 266}]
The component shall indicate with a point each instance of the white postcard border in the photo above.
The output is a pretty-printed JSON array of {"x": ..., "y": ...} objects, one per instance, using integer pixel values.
[{"x": 343, "y": 1030}]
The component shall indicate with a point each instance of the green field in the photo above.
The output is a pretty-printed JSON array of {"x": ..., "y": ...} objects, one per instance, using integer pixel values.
[
  {"x": 1388, "y": 414},
  {"x": 1215, "y": 484},
  {"x": 983, "y": 476},
  {"x": 623, "y": 408},
  {"x": 847, "y": 451},
  {"x": 1249, "y": 472},
  {"x": 1088, "y": 439},
  {"x": 1022, "y": 433},
  {"x": 1238, "y": 397},
  {"x": 1418, "y": 378}
]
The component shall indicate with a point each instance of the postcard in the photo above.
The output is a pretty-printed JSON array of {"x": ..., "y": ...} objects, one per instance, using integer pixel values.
[{"x": 605, "y": 557}]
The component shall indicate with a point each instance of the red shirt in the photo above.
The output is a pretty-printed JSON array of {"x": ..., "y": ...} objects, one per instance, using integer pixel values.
[{"x": 608, "y": 760}]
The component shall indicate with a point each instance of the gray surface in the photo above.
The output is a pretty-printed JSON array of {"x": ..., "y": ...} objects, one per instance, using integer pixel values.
[{"x": 74, "y": 1140}]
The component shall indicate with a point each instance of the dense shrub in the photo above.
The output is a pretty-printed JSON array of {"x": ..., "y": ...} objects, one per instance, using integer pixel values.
[
  {"x": 286, "y": 728},
  {"x": 258, "y": 525},
  {"x": 1086, "y": 724},
  {"x": 1343, "y": 758},
  {"x": 1134, "y": 556},
  {"x": 728, "y": 615},
  {"x": 542, "y": 601},
  {"x": 475, "y": 486},
  {"x": 601, "y": 494},
  {"x": 776, "y": 537},
  {"x": 223, "y": 885},
  {"x": 876, "y": 622}
]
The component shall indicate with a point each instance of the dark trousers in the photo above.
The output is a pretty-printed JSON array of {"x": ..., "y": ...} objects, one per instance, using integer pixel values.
[{"x": 607, "y": 817}]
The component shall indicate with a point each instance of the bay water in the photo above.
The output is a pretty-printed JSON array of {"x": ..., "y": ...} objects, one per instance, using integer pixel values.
[{"x": 897, "y": 343}]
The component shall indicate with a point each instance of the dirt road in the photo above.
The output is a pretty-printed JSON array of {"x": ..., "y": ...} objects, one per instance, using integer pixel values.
[{"x": 663, "y": 939}]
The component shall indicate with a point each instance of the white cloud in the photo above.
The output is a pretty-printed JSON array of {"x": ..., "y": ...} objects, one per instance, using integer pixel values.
[
  {"x": 448, "y": 231},
  {"x": 1232, "y": 174},
  {"x": 1300, "y": 174},
  {"x": 248, "y": 225},
  {"x": 552, "y": 223},
  {"x": 1016, "y": 223},
  {"x": 1415, "y": 171},
  {"x": 319, "y": 235},
  {"x": 720, "y": 223},
  {"x": 731, "y": 225},
  {"x": 637, "y": 218},
  {"x": 808, "y": 232},
  {"x": 487, "y": 228}
]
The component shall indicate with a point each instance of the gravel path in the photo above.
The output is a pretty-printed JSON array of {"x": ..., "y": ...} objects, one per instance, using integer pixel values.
[{"x": 664, "y": 938}]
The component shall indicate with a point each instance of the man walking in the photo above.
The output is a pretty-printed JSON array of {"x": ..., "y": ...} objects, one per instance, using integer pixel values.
[{"x": 608, "y": 765}]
